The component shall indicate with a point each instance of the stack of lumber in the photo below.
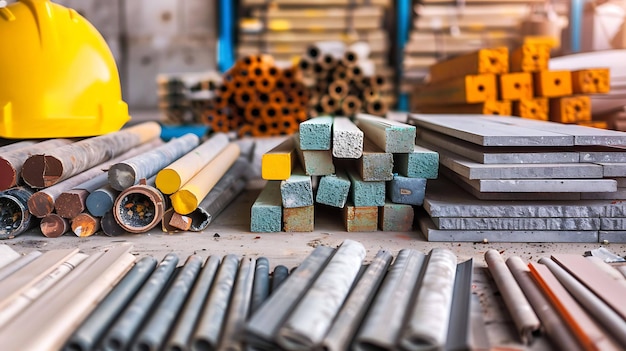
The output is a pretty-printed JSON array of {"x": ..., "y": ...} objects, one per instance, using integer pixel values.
[
  {"x": 443, "y": 29},
  {"x": 530, "y": 181},
  {"x": 342, "y": 80},
  {"x": 371, "y": 169},
  {"x": 128, "y": 181},
  {"x": 286, "y": 28},
  {"x": 494, "y": 82}
]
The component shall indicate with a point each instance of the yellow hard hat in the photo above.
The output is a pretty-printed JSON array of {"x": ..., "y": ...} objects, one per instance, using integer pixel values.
[{"x": 58, "y": 77}]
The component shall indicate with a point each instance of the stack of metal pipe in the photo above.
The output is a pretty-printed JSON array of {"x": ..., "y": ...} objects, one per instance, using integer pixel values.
[
  {"x": 258, "y": 98},
  {"x": 331, "y": 300},
  {"x": 342, "y": 80}
]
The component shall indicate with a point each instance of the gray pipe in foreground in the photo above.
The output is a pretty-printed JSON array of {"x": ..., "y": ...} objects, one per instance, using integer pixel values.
[
  {"x": 309, "y": 322},
  {"x": 460, "y": 329},
  {"x": 354, "y": 309},
  {"x": 427, "y": 326},
  {"x": 391, "y": 304},
  {"x": 516, "y": 303},
  {"x": 156, "y": 329},
  {"x": 279, "y": 275},
  {"x": 239, "y": 307},
  {"x": 263, "y": 326},
  {"x": 126, "y": 326},
  {"x": 87, "y": 336},
  {"x": 179, "y": 338},
  {"x": 211, "y": 322},
  {"x": 261, "y": 287}
]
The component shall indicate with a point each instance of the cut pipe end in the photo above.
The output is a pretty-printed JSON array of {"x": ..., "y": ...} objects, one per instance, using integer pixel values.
[{"x": 168, "y": 181}]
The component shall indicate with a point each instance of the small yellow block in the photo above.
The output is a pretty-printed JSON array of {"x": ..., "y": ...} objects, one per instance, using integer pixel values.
[
  {"x": 277, "y": 163},
  {"x": 491, "y": 107},
  {"x": 468, "y": 89},
  {"x": 570, "y": 109},
  {"x": 530, "y": 58},
  {"x": 591, "y": 81},
  {"x": 493, "y": 60},
  {"x": 531, "y": 108},
  {"x": 552, "y": 83},
  {"x": 515, "y": 86}
]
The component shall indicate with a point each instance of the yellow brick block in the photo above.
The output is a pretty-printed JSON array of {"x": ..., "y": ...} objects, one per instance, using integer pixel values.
[
  {"x": 531, "y": 108},
  {"x": 570, "y": 109},
  {"x": 591, "y": 81},
  {"x": 494, "y": 60},
  {"x": 491, "y": 107},
  {"x": 277, "y": 163},
  {"x": 515, "y": 86},
  {"x": 468, "y": 89},
  {"x": 530, "y": 58},
  {"x": 552, "y": 84}
]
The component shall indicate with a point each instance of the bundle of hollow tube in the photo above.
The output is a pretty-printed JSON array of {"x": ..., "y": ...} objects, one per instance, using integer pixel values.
[
  {"x": 128, "y": 181},
  {"x": 257, "y": 98},
  {"x": 342, "y": 80}
]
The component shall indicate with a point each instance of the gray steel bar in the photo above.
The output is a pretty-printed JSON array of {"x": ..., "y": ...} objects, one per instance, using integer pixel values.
[
  {"x": 210, "y": 325},
  {"x": 261, "y": 287},
  {"x": 109, "y": 225},
  {"x": 14, "y": 215},
  {"x": 518, "y": 306},
  {"x": 309, "y": 322},
  {"x": 553, "y": 325},
  {"x": 610, "y": 319},
  {"x": 427, "y": 326},
  {"x": 87, "y": 336},
  {"x": 460, "y": 330},
  {"x": 279, "y": 275},
  {"x": 101, "y": 201},
  {"x": 16, "y": 265},
  {"x": 239, "y": 307},
  {"x": 391, "y": 304},
  {"x": 222, "y": 194},
  {"x": 354, "y": 309},
  {"x": 156, "y": 329},
  {"x": 128, "y": 173},
  {"x": 126, "y": 326},
  {"x": 263, "y": 326},
  {"x": 179, "y": 339}
]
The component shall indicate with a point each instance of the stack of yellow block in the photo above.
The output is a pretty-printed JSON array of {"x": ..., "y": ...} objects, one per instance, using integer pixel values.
[{"x": 496, "y": 82}]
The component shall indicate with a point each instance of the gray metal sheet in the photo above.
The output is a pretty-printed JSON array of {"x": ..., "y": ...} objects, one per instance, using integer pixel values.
[
  {"x": 612, "y": 236},
  {"x": 478, "y": 130},
  {"x": 613, "y": 169},
  {"x": 520, "y": 223},
  {"x": 594, "y": 186},
  {"x": 529, "y": 236},
  {"x": 620, "y": 194}
]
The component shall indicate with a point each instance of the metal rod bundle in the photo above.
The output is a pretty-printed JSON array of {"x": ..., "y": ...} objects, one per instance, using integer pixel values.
[{"x": 253, "y": 99}]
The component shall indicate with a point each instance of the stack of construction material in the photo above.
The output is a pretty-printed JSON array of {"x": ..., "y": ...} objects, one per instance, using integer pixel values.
[
  {"x": 111, "y": 300},
  {"x": 444, "y": 29},
  {"x": 258, "y": 98},
  {"x": 490, "y": 81},
  {"x": 531, "y": 181},
  {"x": 371, "y": 170},
  {"x": 182, "y": 96},
  {"x": 575, "y": 300},
  {"x": 286, "y": 28},
  {"x": 118, "y": 183},
  {"x": 342, "y": 80}
]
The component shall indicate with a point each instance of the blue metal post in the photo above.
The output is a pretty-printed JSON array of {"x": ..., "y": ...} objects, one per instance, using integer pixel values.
[
  {"x": 576, "y": 23},
  {"x": 226, "y": 41},
  {"x": 403, "y": 18}
]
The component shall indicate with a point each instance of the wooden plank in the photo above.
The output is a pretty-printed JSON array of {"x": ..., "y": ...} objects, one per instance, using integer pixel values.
[
  {"x": 591, "y": 81},
  {"x": 492, "y": 60},
  {"x": 499, "y": 155},
  {"x": 491, "y": 107},
  {"x": 570, "y": 109},
  {"x": 537, "y": 108},
  {"x": 529, "y": 236},
  {"x": 515, "y": 86},
  {"x": 552, "y": 84},
  {"x": 530, "y": 58},
  {"x": 460, "y": 90},
  {"x": 483, "y": 131},
  {"x": 595, "y": 279}
]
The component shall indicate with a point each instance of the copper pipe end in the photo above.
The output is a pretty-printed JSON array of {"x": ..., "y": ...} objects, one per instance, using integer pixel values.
[
  {"x": 253, "y": 112},
  {"x": 329, "y": 104},
  {"x": 338, "y": 89},
  {"x": 350, "y": 105},
  {"x": 245, "y": 96},
  {"x": 376, "y": 107},
  {"x": 370, "y": 95},
  {"x": 270, "y": 112},
  {"x": 278, "y": 97}
]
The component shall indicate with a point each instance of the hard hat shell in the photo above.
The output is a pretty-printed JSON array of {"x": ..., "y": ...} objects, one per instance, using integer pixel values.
[{"x": 58, "y": 75}]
